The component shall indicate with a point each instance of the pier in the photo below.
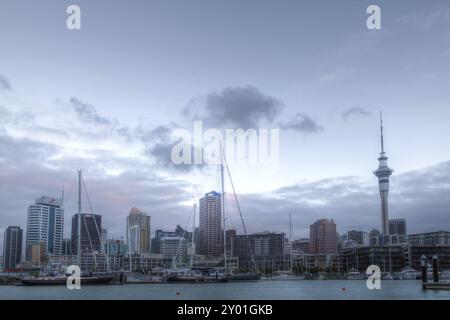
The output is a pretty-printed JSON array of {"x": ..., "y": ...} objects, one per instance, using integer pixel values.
[{"x": 436, "y": 284}]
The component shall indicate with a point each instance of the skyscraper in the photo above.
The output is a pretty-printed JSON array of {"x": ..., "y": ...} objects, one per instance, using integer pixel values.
[
  {"x": 211, "y": 224},
  {"x": 67, "y": 247},
  {"x": 323, "y": 237},
  {"x": 45, "y": 222},
  {"x": 361, "y": 237},
  {"x": 383, "y": 173},
  {"x": 138, "y": 231},
  {"x": 12, "y": 247},
  {"x": 397, "y": 226},
  {"x": 91, "y": 226}
]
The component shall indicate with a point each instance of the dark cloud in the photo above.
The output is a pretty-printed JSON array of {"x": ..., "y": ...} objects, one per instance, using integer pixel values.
[
  {"x": 235, "y": 107},
  {"x": 302, "y": 123},
  {"x": 5, "y": 84},
  {"x": 356, "y": 111},
  {"x": 88, "y": 113},
  {"x": 15, "y": 152}
]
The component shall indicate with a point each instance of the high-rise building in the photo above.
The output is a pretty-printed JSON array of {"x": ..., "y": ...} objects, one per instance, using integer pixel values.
[
  {"x": 12, "y": 247},
  {"x": 323, "y": 237},
  {"x": 67, "y": 247},
  {"x": 211, "y": 224},
  {"x": 45, "y": 222},
  {"x": 397, "y": 226},
  {"x": 361, "y": 237},
  {"x": 91, "y": 226},
  {"x": 383, "y": 173},
  {"x": 138, "y": 232}
]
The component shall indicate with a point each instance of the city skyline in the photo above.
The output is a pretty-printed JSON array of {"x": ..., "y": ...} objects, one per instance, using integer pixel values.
[{"x": 56, "y": 120}]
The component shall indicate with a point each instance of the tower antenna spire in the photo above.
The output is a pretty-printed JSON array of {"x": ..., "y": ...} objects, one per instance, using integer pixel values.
[
  {"x": 383, "y": 173},
  {"x": 381, "y": 128}
]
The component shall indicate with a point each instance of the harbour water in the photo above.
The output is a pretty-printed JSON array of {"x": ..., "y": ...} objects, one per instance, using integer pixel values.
[{"x": 258, "y": 290}]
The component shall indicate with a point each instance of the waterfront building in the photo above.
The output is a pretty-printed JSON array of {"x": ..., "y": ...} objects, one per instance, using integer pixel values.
[
  {"x": 12, "y": 247},
  {"x": 430, "y": 239},
  {"x": 147, "y": 262},
  {"x": 383, "y": 173},
  {"x": 60, "y": 262},
  {"x": 45, "y": 222},
  {"x": 138, "y": 231},
  {"x": 267, "y": 248},
  {"x": 393, "y": 239},
  {"x": 211, "y": 225},
  {"x": 173, "y": 246},
  {"x": 323, "y": 237},
  {"x": 388, "y": 258},
  {"x": 441, "y": 251}
]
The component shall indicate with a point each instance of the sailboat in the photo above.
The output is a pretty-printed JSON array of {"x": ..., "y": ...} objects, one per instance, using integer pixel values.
[{"x": 86, "y": 279}]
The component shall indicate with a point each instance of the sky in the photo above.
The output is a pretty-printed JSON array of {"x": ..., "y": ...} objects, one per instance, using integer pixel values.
[{"x": 106, "y": 98}]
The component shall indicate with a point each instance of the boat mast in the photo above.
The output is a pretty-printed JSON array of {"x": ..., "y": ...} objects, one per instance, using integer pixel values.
[
  {"x": 192, "y": 239},
  {"x": 79, "y": 219},
  {"x": 290, "y": 240},
  {"x": 223, "y": 212}
]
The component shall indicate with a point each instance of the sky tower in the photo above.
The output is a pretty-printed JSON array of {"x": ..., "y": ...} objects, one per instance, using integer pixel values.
[{"x": 383, "y": 173}]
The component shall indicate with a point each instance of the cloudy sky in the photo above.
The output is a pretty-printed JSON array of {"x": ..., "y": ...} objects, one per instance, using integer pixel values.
[{"x": 106, "y": 98}]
